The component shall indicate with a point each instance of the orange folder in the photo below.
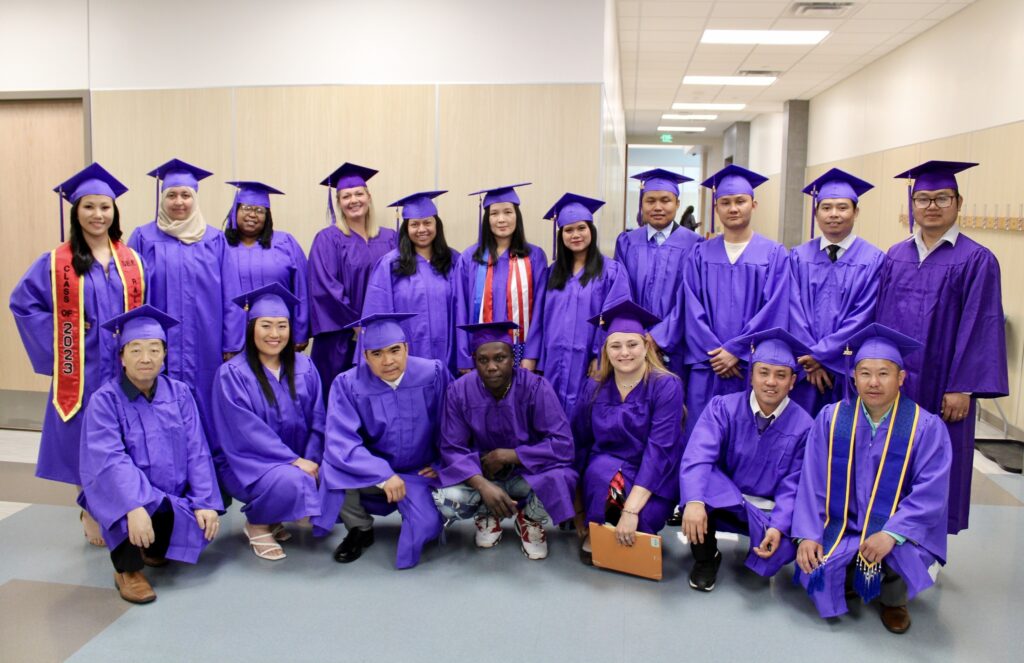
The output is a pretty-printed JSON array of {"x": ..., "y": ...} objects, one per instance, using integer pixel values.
[{"x": 642, "y": 559}]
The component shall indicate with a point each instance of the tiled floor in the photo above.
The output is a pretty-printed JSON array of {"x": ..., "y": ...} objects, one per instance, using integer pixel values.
[{"x": 57, "y": 599}]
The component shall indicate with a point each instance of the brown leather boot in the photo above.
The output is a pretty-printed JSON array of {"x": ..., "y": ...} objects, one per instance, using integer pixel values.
[
  {"x": 896, "y": 619},
  {"x": 134, "y": 587}
]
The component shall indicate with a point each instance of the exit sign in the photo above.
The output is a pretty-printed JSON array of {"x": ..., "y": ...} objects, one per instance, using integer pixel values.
[{"x": 666, "y": 138}]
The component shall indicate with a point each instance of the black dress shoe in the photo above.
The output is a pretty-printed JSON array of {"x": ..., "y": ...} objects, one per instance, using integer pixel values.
[
  {"x": 351, "y": 548},
  {"x": 704, "y": 574},
  {"x": 675, "y": 520}
]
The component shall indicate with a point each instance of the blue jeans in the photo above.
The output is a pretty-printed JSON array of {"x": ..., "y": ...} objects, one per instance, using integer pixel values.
[{"x": 461, "y": 501}]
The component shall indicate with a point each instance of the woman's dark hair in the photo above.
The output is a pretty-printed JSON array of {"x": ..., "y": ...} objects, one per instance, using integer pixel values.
[
  {"x": 561, "y": 269},
  {"x": 81, "y": 254},
  {"x": 440, "y": 258},
  {"x": 689, "y": 210},
  {"x": 234, "y": 236},
  {"x": 252, "y": 357},
  {"x": 517, "y": 249}
]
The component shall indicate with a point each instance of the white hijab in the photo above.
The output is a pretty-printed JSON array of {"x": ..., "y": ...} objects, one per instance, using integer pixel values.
[{"x": 186, "y": 231}]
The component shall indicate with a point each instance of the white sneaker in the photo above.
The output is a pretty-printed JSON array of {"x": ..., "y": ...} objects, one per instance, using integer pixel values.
[
  {"x": 488, "y": 531},
  {"x": 531, "y": 537}
]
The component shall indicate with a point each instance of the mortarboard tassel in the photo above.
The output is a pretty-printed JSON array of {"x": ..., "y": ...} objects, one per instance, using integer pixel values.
[
  {"x": 554, "y": 236},
  {"x": 847, "y": 354},
  {"x": 910, "y": 205},
  {"x": 814, "y": 209},
  {"x": 714, "y": 199},
  {"x": 156, "y": 205},
  {"x": 640, "y": 209},
  {"x": 330, "y": 206},
  {"x": 480, "y": 218},
  {"x": 398, "y": 220},
  {"x": 60, "y": 201}
]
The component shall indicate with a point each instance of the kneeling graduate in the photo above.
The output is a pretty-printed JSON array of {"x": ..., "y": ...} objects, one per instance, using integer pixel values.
[{"x": 147, "y": 475}]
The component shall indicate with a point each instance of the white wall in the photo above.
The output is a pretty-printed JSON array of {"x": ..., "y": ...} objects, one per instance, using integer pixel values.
[
  {"x": 962, "y": 75},
  {"x": 766, "y": 144},
  {"x": 143, "y": 44},
  {"x": 613, "y": 79}
]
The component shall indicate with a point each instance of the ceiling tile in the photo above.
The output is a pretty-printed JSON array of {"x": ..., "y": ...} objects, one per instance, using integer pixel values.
[
  {"x": 947, "y": 10},
  {"x": 896, "y": 10},
  {"x": 688, "y": 8},
  {"x": 749, "y": 9},
  {"x": 740, "y": 23},
  {"x": 855, "y": 25}
]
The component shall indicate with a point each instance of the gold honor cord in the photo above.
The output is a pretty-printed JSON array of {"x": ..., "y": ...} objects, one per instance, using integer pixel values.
[{"x": 849, "y": 469}]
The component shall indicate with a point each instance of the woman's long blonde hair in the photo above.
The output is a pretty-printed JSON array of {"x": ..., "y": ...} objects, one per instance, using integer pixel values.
[
  {"x": 652, "y": 361},
  {"x": 372, "y": 230}
]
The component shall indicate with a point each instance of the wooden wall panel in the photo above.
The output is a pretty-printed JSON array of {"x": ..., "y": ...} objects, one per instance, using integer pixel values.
[
  {"x": 766, "y": 217},
  {"x": 43, "y": 145}
]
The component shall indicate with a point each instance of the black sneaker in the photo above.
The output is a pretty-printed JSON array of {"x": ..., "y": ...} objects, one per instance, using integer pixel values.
[{"x": 703, "y": 575}]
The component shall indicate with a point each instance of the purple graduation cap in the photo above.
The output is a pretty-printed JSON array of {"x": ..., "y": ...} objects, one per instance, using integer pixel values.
[
  {"x": 657, "y": 179},
  {"x": 142, "y": 322},
  {"x": 380, "y": 330},
  {"x": 775, "y": 346},
  {"x": 931, "y": 176},
  {"x": 732, "y": 180},
  {"x": 91, "y": 180},
  {"x": 417, "y": 206},
  {"x": 249, "y": 193},
  {"x": 877, "y": 342},
  {"x": 625, "y": 317},
  {"x": 835, "y": 183},
  {"x": 482, "y": 333},
  {"x": 501, "y": 194},
  {"x": 270, "y": 301},
  {"x": 346, "y": 176},
  {"x": 176, "y": 173},
  {"x": 571, "y": 208}
]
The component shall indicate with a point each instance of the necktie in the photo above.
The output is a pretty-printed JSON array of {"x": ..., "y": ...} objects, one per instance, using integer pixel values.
[
  {"x": 763, "y": 421},
  {"x": 659, "y": 238},
  {"x": 833, "y": 252}
]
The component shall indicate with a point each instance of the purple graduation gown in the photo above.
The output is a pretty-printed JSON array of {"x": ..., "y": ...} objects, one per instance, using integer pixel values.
[
  {"x": 528, "y": 419},
  {"x": 641, "y": 436},
  {"x": 285, "y": 263},
  {"x": 194, "y": 283},
  {"x": 569, "y": 341},
  {"x": 136, "y": 453},
  {"x": 375, "y": 432},
  {"x": 724, "y": 302},
  {"x": 260, "y": 442},
  {"x": 726, "y": 458},
  {"x": 339, "y": 270},
  {"x": 951, "y": 303},
  {"x": 431, "y": 334},
  {"x": 32, "y": 307},
  {"x": 829, "y": 303},
  {"x": 656, "y": 279},
  {"x": 466, "y": 310},
  {"x": 920, "y": 514}
]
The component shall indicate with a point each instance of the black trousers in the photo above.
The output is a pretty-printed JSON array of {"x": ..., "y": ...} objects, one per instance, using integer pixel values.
[
  {"x": 128, "y": 558},
  {"x": 705, "y": 552}
]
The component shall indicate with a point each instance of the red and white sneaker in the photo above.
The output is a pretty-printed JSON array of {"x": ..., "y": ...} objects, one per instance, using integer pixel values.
[
  {"x": 531, "y": 537},
  {"x": 488, "y": 531}
]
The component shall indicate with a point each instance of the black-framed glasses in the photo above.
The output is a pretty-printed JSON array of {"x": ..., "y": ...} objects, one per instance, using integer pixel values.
[
  {"x": 258, "y": 211},
  {"x": 942, "y": 202}
]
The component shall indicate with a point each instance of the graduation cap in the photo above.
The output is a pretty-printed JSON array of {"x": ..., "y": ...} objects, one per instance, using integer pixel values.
[
  {"x": 482, "y": 333},
  {"x": 502, "y": 194},
  {"x": 345, "y": 176},
  {"x": 249, "y": 193},
  {"x": 880, "y": 342},
  {"x": 571, "y": 208},
  {"x": 270, "y": 301},
  {"x": 142, "y": 322},
  {"x": 931, "y": 176},
  {"x": 418, "y": 205},
  {"x": 732, "y": 180},
  {"x": 657, "y": 179},
  {"x": 91, "y": 180},
  {"x": 776, "y": 347},
  {"x": 626, "y": 317},
  {"x": 380, "y": 330},
  {"x": 835, "y": 183},
  {"x": 176, "y": 173}
]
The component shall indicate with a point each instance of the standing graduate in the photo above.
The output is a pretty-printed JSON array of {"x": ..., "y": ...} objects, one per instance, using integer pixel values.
[
  {"x": 742, "y": 463},
  {"x": 262, "y": 255},
  {"x": 145, "y": 465},
  {"x": 581, "y": 284},
  {"x": 58, "y": 306},
  {"x": 192, "y": 281},
  {"x": 503, "y": 278},
  {"x": 871, "y": 506},
  {"x": 629, "y": 430},
  {"x": 834, "y": 288},
  {"x": 269, "y": 415},
  {"x": 942, "y": 288},
  {"x": 735, "y": 284},
  {"x": 383, "y": 423},
  {"x": 506, "y": 447},
  {"x": 421, "y": 276},
  {"x": 340, "y": 261},
  {"x": 655, "y": 256}
]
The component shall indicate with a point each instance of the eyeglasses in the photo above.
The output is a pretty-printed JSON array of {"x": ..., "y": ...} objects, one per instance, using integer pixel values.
[
  {"x": 941, "y": 202},
  {"x": 260, "y": 211}
]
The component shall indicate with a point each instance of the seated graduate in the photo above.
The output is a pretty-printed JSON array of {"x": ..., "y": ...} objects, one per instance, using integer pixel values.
[
  {"x": 147, "y": 475},
  {"x": 383, "y": 420},
  {"x": 629, "y": 430},
  {"x": 742, "y": 463},
  {"x": 269, "y": 415},
  {"x": 506, "y": 446},
  {"x": 871, "y": 506}
]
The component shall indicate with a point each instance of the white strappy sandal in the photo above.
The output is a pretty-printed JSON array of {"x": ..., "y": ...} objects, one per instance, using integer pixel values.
[{"x": 262, "y": 548}]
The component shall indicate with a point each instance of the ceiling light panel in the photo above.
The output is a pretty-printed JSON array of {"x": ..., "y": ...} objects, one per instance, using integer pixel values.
[
  {"x": 729, "y": 80},
  {"x": 768, "y": 37},
  {"x": 688, "y": 118},
  {"x": 689, "y": 130},
  {"x": 710, "y": 106}
]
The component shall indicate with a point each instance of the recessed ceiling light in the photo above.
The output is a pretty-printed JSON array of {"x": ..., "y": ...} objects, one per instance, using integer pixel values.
[
  {"x": 710, "y": 107},
  {"x": 690, "y": 130},
  {"x": 728, "y": 80},
  {"x": 684, "y": 118},
  {"x": 771, "y": 37}
]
